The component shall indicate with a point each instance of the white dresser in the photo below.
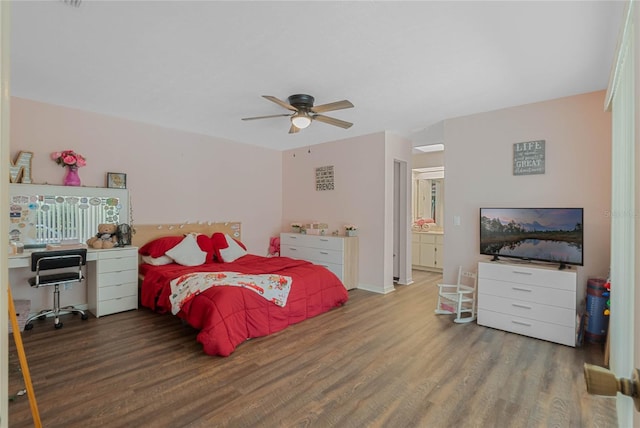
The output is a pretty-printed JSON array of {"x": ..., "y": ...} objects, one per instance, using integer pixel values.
[
  {"x": 427, "y": 250},
  {"x": 113, "y": 280},
  {"x": 339, "y": 254},
  {"x": 534, "y": 301}
]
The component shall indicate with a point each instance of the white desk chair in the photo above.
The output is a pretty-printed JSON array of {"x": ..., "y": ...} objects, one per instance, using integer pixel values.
[{"x": 460, "y": 298}]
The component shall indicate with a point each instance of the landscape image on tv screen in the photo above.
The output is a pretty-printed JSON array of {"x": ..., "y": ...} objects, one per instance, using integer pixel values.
[{"x": 543, "y": 234}]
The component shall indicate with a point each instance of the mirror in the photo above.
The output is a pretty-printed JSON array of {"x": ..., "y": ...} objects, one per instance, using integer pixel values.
[{"x": 428, "y": 195}]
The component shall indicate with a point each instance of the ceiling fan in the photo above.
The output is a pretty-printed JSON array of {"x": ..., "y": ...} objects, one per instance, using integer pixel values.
[{"x": 304, "y": 112}]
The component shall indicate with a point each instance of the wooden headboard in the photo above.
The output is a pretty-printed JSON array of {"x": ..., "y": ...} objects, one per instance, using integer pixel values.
[{"x": 148, "y": 232}]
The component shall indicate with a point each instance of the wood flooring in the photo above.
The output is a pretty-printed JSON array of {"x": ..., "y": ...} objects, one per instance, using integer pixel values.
[{"x": 379, "y": 361}]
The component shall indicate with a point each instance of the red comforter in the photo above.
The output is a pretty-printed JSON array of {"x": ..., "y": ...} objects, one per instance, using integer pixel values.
[{"x": 227, "y": 316}]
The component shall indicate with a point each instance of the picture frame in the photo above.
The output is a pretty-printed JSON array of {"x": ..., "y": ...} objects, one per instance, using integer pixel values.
[{"x": 116, "y": 180}]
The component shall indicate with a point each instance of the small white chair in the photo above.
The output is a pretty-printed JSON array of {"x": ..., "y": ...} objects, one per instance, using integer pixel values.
[{"x": 460, "y": 298}]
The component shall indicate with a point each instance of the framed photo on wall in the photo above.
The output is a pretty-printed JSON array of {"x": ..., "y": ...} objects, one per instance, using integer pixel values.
[{"x": 116, "y": 180}]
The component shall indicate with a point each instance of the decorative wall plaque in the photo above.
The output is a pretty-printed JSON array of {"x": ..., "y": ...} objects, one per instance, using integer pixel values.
[
  {"x": 324, "y": 178},
  {"x": 20, "y": 170},
  {"x": 528, "y": 157}
]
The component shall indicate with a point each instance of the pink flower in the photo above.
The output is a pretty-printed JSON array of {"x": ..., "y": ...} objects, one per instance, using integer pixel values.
[{"x": 68, "y": 158}]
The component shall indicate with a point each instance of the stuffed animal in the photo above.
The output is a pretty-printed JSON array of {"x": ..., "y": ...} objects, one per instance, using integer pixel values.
[
  {"x": 274, "y": 246},
  {"x": 105, "y": 238}
]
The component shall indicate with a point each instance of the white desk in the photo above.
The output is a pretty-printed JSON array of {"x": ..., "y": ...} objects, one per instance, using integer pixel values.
[{"x": 112, "y": 278}]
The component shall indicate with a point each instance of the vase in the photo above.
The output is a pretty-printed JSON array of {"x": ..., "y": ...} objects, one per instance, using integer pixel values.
[
  {"x": 295, "y": 229},
  {"x": 72, "y": 178},
  {"x": 352, "y": 233}
]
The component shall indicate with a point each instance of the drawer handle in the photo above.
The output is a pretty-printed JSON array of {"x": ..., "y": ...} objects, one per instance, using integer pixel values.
[
  {"x": 323, "y": 252},
  {"x": 522, "y": 273},
  {"x": 521, "y": 323},
  {"x": 293, "y": 237},
  {"x": 324, "y": 240},
  {"x": 293, "y": 249},
  {"x": 521, "y": 306},
  {"x": 522, "y": 289}
]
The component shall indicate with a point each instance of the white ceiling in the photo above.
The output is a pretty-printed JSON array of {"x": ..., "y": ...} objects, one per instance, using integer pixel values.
[{"x": 201, "y": 66}]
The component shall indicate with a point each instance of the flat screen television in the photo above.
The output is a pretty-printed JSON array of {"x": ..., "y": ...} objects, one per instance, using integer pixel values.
[{"x": 552, "y": 235}]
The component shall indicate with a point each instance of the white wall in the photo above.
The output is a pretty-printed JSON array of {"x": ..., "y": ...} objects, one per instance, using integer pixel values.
[
  {"x": 173, "y": 176},
  {"x": 363, "y": 167},
  {"x": 479, "y": 173}
]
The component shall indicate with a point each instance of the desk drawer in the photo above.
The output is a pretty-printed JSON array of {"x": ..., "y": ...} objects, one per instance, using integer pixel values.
[
  {"x": 117, "y": 264},
  {"x": 118, "y": 291},
  {"x": 115, "y": 278},
  {"x": 118, "y": 253},
  {"x": 113, "y": 306}
]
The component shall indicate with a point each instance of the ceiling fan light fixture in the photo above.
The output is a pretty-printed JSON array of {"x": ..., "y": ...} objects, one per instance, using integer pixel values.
[{"x": 301, "y": 120}]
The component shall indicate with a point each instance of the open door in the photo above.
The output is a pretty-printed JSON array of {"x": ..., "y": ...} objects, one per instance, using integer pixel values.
[
  {"x": 401, "y": 230},
  {"x": 623, "y": 100}
]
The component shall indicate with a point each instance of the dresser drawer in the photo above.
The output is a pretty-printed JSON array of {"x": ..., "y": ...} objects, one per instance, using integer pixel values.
[
  {"x": 118, "y": 291},
  {"x": 528, "y": 327},
  {"x": 113, "y": 278},
  {"x": 549, "y": 278},
  {"x": 529, "y": 310},
  {"x": 118, "y": 305},
  {"x": 528, "y": 293},
  {"x": 313, "y": 241},
  {"x": 314, "y": 254},
  {"x": 117, "y": 264},
  {"x": 336, "y": 269}
]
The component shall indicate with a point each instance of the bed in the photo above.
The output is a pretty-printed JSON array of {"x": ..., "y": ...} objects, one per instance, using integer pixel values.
[{"x": 233, "y": 296}]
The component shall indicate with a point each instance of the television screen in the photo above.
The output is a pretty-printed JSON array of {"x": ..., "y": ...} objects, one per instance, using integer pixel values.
[{"x": 543, "y": 234}]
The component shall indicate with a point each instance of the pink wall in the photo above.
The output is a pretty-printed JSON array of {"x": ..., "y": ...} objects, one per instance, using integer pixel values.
[
  {"x": 172, "y": 176},
  {"x": 360, "y": 197},
  {"x": 479, "y": 172}
]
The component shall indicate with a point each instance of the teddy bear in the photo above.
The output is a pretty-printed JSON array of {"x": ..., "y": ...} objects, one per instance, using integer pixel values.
[{"x": 105, "y": 238}]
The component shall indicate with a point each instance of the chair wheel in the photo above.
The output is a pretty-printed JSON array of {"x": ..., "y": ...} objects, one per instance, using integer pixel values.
[
  {"x": 58, "y": 325},
  {"x": 84, "y": 317},
  {"x": 28, "y": 326},
  {"x": 42, "y": 317}
]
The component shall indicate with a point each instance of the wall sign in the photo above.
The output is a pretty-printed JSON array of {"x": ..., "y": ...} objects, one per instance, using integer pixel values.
[
  {"x": 324, "y": 178},
  {"x": 20, "y": 170},
  {"x": 528, "y": 157}
]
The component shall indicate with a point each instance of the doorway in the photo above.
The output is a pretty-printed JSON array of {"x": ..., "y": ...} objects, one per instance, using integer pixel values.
[{"x": 401, "y": 210}]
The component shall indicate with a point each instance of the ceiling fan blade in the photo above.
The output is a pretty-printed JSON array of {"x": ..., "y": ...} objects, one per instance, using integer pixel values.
[
  {"x": 338, "y": 105},
  {"x": 294, "y": 129},
  {"x": 265, "y": 117},
  {"x": 280, "y": 102},
  {"x": 332, "y": 121}
]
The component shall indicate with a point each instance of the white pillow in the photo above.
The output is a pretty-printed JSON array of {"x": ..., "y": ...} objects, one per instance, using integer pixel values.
[
  {"x": 233, "y": 252},
  {"x": 187, "y": 252},
  {"x": 157, "y": 261}
]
